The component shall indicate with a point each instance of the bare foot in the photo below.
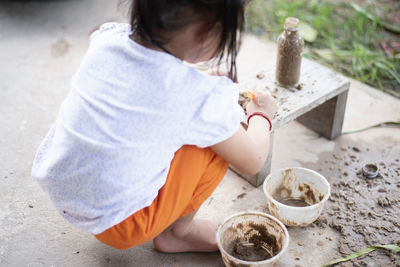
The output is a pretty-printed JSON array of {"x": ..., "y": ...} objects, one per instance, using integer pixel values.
[{"x": 188, "y": 235}]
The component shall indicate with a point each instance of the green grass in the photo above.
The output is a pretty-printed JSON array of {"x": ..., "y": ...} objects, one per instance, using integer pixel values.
[{"x": 348, "y": 38}]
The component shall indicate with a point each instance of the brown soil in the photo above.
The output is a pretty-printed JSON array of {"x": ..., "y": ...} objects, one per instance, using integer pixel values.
[
  {"x": 257, "y": 245},
  {"x": 260, "y": 76},
  {"x": 294, "y": 202},
  {"x": 243, "y": 100},
  {"x": 364, "y": 211},
  {"x": 371, "y": 168},
  {"x": 284, "y": 192},
  {"x": 299, "y": 86}
]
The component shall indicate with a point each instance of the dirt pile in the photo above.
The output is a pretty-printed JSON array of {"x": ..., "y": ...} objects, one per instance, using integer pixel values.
[{"x": 364, "y": 211}]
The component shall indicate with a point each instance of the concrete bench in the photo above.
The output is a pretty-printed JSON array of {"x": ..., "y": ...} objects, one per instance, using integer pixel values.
[{"x": 318, "y": 103}]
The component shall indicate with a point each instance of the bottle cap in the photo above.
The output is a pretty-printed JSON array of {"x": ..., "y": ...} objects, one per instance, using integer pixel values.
[
  {"x": 370, "y": 170},
  {"x": 292, "y": 24}
]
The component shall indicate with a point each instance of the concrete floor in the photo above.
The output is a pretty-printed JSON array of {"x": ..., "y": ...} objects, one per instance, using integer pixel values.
[{"x": 42, "y": 43}]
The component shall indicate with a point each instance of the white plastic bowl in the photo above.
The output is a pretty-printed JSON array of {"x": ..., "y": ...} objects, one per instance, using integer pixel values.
[
  {"x": 237, "y": 225},
  {"x": 297, "y": 183}
]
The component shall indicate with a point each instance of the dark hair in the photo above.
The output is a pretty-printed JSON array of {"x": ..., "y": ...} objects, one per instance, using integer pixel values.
[{"x": 150, "y": 17}]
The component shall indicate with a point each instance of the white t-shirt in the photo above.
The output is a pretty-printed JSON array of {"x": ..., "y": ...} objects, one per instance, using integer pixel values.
[{"x": 129, "y": 110}]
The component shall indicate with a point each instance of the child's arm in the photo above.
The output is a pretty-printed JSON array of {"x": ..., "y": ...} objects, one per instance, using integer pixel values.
[{"x": 247, "y": 151}]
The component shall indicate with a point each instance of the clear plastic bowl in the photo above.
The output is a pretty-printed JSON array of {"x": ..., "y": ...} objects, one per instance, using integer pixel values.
[
  {"x": 296, "y": 183},
  {"x": 238, "y": 226}
]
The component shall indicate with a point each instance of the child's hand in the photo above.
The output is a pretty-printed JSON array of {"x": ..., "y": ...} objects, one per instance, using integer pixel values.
[{"x": 263, "y": 102}]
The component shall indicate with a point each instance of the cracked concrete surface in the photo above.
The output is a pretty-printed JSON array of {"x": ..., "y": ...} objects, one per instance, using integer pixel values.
[{"x": 42, "y": 43}]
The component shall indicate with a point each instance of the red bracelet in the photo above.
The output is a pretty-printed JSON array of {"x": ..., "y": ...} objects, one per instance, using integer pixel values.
[{"x": 262, "y": 115}]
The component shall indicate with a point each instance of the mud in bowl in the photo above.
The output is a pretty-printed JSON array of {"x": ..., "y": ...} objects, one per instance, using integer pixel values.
[
  {"x": 296, "y": 196},
  {"x": 252, "y": 239}
]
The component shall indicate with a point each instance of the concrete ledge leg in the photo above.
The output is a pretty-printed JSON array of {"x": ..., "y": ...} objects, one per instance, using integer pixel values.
[{"x": 327, "y": 118}]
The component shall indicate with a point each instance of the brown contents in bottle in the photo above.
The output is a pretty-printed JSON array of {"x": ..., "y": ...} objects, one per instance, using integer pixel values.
[{"x": 290, "y": 47}]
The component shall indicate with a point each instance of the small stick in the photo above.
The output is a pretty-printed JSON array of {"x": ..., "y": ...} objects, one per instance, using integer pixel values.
[
  {"x": 247, "y": 244},
  {"x": 266, "y": 247}
]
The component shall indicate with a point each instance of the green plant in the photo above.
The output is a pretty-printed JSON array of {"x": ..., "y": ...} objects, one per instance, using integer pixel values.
[
  {"x": 394, "y": 248},
  {"x": 348, "y": 37}
]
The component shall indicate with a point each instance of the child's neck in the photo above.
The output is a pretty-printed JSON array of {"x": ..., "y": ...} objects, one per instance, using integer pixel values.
[{"x": 185, "y": 44}]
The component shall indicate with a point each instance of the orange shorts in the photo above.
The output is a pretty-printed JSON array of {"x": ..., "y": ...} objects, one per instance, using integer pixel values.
[{"x": 193, "y": 176}]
